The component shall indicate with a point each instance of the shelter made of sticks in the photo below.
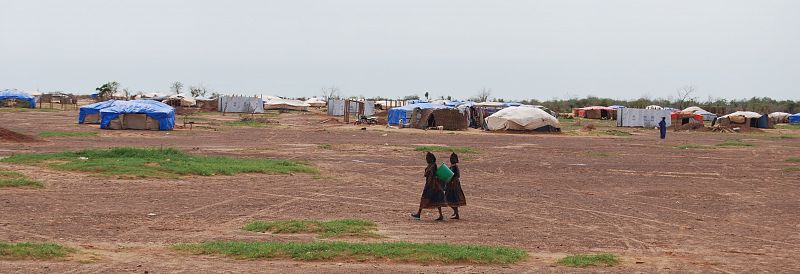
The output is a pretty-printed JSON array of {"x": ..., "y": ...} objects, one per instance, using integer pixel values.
[{"x": 447, "y": 118}]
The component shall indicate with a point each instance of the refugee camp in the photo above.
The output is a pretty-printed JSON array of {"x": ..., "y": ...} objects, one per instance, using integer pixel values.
[{"x": 399, "y": 137}]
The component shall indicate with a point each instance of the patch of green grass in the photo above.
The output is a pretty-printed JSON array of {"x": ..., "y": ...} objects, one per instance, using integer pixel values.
[
  {"x": 616, "y": 132},
  {"x": 733, "y": 143},
  {"x": 787, "y": 126},
  {"x": 343, "y": 251},
  {"x": 326, "y": 229},
  {"x": 35, "y": 251},
  {"x": 584, "y": 260},
  {"x": 598, "y": 153},
  {"x": 155, "y": 163},
  {"x": 693, "y": 146},
  {"x": 250, "y": 123},
  {"x": 46, "y": 134},
  {"x": 445, "y": 149},
  {"x": 792, "y": 169},
  {"x": 18, "y": 109},
  {"x": 16, "y": 179},
  {"x": 325, "y": 146},
  {"x": 787, "y": 136},
  {"x": 793, "y": 159}
]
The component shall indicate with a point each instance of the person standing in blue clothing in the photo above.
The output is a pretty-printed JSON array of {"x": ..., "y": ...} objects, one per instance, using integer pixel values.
[{"x": 662, "y": 128}]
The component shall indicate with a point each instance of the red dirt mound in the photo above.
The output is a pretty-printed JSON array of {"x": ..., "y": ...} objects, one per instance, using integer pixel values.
[{"x": 12, "y": 136}]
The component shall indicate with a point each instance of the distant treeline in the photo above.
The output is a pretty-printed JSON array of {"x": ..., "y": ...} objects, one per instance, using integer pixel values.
[{"x": 719, "y": 106}]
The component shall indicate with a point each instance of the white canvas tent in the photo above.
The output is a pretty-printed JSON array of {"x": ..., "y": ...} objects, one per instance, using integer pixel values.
[
  {"x": 184, "y": 99},
  {"x": 707, "y": 116},
  {"x": 272, "y": 102},
  {"x": 779, "y": 117},
  {"x": 520, "y": 118},
  {"x": 636, "y": 117},
  {"x": 316, "y": 102}
]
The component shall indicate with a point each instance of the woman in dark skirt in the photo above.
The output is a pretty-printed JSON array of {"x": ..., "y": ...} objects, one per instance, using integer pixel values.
[
  {"x": 455, "y": 195},
  {"x": 433, "y": 194}
]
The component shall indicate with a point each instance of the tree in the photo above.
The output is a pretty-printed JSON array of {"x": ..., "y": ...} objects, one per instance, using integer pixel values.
[
  {"x": 483, "y": 95},
  {"x": 198, "y": 91},
  {"x": 685, "y": 95},
  {"x": 176, "y": 87},
  {"x": 107, "y": 90},
  {"x": 411, "y": 97},
  {"x": 426, "y": 96},
  {"x": 215, "y": 95},
  {"x": 330, "y": 93}
]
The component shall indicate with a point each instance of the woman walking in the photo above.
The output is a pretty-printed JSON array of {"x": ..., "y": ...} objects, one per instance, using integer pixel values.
[
  {"x": 432, "y": 195},
  {"x": 454, "y": 193}
]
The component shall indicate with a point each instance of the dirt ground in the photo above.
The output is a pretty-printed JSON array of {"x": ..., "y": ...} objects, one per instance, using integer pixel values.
[{"x": 660, "y": 208}]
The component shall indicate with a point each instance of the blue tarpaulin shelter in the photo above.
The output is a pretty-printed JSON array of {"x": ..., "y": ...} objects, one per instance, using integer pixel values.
[
  {"x": 399, "y": 115},
  {"x": 18, "y": 95},
  {"x": 93, "y": 109},
  {"x": 794, "y": 118},
  {"x": 163, "y": 113}
]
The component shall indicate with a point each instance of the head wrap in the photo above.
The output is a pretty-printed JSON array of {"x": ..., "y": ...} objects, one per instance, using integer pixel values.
[
  {"x": 430, "y": 158},
  {"x": 453, "y": 158}
]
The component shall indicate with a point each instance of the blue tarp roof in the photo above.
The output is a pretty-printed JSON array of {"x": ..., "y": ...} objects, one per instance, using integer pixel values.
[
  {"x": 399, "y": 115},
  {"x": 19, "y": 95},
  {"x": 93, "y": 109},
  {"x": 616, "y": 106},
  {"x": 794, "y": 118},
  {"x": 157, "y": 110}
]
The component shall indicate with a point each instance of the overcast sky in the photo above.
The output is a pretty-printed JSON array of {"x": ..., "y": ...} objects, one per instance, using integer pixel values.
[{"x": 519, "y": 49}]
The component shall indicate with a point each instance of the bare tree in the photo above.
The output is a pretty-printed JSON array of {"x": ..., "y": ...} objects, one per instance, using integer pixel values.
[
  {"x": 330, "y": 93},
  {"x": 176, "y": 87},
  {"x": 483, "y": 95},
  {"x": 127, "y": 93},
  {"x": 685, "y": 95},
  {"x": 198, "y": 91}
]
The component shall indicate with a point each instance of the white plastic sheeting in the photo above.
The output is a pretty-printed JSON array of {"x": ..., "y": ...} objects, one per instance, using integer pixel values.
[
  {"x": 240, "y": 104},
  {"x": 316, "y": 102},
  {"x": 186, "y": 100},
  {"x": 336, "y": 107},
  {"x": 520, "y": 118},
  {"x": 272, "y": 102},
  {"x": 637, "y": 117}
]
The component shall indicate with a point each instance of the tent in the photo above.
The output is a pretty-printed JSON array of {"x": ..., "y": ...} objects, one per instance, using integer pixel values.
[
  {"x": 686, "y": 120},
  {"x": 779, "y": 117},
  {"x": 316, "y": 102},
  {"x": 138, "y": 114},
  {"x": 272, "y": 102},
  {"x": 18, "y": 95},
  {"x": 402, "y": 115},
  {"x": 90, "y": 114},
  {"x": 653, "y": 107},
  {"x": 446, "y": 118},
  {"x": 743, "y": 119},
  {"x": 794, "y": 118},
  {"x": 522, "y": 118},
  {"x": 180, "y": 100},
  {"x": 707, "y": 116}
]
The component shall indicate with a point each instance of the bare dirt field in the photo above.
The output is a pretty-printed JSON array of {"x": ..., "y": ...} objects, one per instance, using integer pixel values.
[{"x": 662, "y": 209}]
